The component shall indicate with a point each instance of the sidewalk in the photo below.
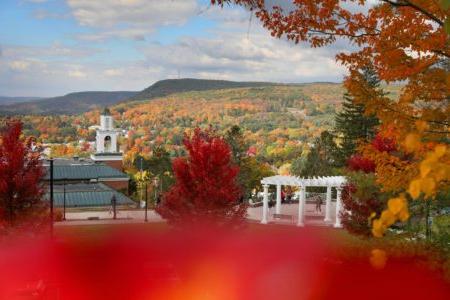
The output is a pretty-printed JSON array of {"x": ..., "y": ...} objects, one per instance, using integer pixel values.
[
  {"x": 105, "y": 217},
  {"x": 137, "y": 216}
]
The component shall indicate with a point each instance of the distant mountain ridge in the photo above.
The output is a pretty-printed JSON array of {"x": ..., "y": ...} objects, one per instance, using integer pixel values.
[
  {"x": 5, "y": 100},
  {"x": 73, "y": 103},
  {"x": 166, "y": 87},
  {"x": 76, "y": 103}
]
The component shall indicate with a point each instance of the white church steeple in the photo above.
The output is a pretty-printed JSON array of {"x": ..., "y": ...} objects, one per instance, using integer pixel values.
[
  {"x": 107, "y": 149},
  {"x": 106, "y": 140}
]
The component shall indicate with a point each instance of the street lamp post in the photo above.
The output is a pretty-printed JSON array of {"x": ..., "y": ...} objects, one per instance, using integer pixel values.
[
  {"x": 51, "y": 197},
  {"x": 141, "y": 170},
  {"x": 146, "y": 201},
  {"x": 64, "y": 201},
  {"x": 114, "y": 200},
  {"x": 155, "y": 183}
]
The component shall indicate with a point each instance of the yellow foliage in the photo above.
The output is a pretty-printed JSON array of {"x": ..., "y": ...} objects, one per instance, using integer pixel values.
[
  {"x": 397, "y": 211},
  {"x": 414, "y": 188},
  {"x": 412, "y": 142},
  {"x": 396, "y": 205},
  {"x": 434, "y": 171},
  {"x": 422, "y": 125},
  {"x": 378, "y": 259},
  {"x": 378, "y": 228},
  {"x": 285, "y": 169}
]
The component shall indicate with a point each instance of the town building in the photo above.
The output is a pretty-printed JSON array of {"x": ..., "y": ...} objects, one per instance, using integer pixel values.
[
  {"x": 80, "y": 182},
  {"x": 106, "y": 143}
]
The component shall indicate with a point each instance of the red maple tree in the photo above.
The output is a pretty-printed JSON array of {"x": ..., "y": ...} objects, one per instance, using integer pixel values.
[
  {"x": 205, "y": 189},
  {"x": 362, "y": 196},
  {"x": 359, "y": 163},
  {"x": 21, "y": 172}
]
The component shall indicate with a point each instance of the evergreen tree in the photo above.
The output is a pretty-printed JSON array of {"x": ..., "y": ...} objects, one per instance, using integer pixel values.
[
  {"x": 235, "y": 139},
  {"x": 251, "y": 171},
  {"x": 352, "y": 125},
  {"x": 320, "y": 159}
]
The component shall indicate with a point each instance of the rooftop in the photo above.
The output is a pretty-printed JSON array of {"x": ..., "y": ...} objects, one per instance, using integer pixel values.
[
  {"x": 87, "y": 195},
  {"x": 69, "y": 161},
  {"x": 84, "y": 171}
]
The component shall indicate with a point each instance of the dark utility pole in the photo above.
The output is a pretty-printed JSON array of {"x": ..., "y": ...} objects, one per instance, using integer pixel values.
[
  {"x": 64, "y": 202},
  {"x": 146, "y": 201},
  {"x": 51, "y": 197},
  {"x": 113, "y": 200}
]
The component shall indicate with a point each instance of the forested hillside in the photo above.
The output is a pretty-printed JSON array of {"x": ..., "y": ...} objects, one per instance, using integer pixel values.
[
  {"x": 77, "y": 103},
  {"x": 5, "y": 100},
  {"x": 74, "y": 103},
  {"x": 279, "y": 121},
  {"x": 167, "y": 87}
]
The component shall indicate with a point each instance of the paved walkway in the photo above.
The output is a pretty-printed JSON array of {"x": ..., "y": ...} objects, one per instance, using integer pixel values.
[
  {"x": 311, "y": 217},
  {"x": 137, "y": 216},
  {"x": 106, "y": 217}
]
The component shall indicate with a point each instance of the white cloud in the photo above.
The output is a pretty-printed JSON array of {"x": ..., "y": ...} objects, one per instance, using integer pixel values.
[
  {"x": 130, "y": 18},
  {"x": 77, "y": 74},
  {"x": 19, "y": 65},
  {"x": 225, "y": 51},
  {"x": 232, "y": 55},
  {"x": 136, "y": 34},
  {"x": 113, "y": 72}
]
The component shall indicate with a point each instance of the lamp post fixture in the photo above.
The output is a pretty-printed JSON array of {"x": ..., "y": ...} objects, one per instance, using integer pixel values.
[
  {"x": 141, "y": 160},
  {"x": 155, "y": 183},
  {"x": 114, "y": 203},
  {"x": 51, "y": 197},
  {"x": 146, "y": 201},
  {"x": 64, "y": 201}
]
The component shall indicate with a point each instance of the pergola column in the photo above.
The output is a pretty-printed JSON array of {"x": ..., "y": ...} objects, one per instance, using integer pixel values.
[
  {"x": 278, "y": 204},
  {"x": 338, "y": 208},
  {"x": 301, "y": 206},
  {"x": 328, "y": 205},
  {"x": 265, "y": 211}
]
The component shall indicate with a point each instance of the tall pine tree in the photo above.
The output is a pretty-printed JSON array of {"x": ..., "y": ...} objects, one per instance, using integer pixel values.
[{"x": 353, "y": 126}]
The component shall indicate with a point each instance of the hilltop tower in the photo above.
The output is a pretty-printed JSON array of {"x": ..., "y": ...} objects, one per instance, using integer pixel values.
[{"x": 107, "y": 150}]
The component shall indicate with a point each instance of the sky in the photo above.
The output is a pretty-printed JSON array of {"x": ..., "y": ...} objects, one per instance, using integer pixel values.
[{"x": 54, "y": 47}]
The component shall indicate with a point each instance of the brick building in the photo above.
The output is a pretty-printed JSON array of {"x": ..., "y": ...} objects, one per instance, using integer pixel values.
[{"x": 90, "y": 182}]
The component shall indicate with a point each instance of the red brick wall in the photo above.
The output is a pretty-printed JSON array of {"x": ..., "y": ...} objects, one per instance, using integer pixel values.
[{"x": 116, "y": 164}]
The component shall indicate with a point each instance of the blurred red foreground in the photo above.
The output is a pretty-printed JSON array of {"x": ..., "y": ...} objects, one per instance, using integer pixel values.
[{"x": 198, "y": 265}]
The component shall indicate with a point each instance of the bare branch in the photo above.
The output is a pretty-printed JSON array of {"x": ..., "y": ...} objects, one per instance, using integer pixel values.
[{"x": 407, "y": 3}]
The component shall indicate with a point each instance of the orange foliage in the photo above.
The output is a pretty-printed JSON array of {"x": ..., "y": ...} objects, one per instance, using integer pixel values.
[{"x": 403, "y": 41}]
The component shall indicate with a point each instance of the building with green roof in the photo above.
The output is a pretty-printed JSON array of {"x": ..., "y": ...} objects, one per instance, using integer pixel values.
[
  {"x": 86, "y": 183},
  {"x": 87, "y": 195}
]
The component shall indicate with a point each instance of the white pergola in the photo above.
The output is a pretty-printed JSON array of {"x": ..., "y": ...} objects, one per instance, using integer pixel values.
[{"x": 302, "y": 183}]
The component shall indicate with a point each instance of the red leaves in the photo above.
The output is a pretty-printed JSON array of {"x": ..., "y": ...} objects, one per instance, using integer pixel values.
[
  {"x": 20, "y": 176},
  {"x": 359, "y": 163},
  {"x": 384, "y": 144},
  {"x": 206, "y": 190}
]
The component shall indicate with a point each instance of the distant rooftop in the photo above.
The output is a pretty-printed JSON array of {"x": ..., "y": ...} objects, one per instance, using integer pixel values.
[
  {"x": 83, "y": 171},
  {"x": 87, "y": 195},
  {"x": 70, "y": 161},
  {"x": 109, "y": 154}
]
